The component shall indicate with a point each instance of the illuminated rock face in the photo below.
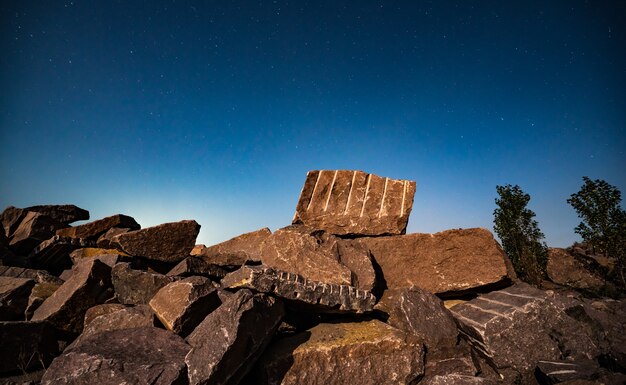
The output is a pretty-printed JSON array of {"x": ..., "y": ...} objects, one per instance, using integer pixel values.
[{"x": 345, "y": 202}]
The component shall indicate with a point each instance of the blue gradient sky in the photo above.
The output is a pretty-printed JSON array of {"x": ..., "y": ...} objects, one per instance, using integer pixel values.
[{"x": 168, "y": 110}]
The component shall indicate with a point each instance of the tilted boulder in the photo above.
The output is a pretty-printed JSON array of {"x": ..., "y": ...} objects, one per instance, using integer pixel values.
[
  {"x": 183, "y": 304},
  {"x": 191, "y": 266},
  {"x": 104, "y": 241},
  {"x": 235, "y": 252},
  {"x": 14, "y": 294},
  {"x": 136, "y": 287},
  {"x": 54, "y": 253},
  {"x": 89, "y": 285},
  {"x": 26, "y": 346},
  {"x": 345, "y": 202},
  {"x": 41, "y": 291},
  {"x": 65, "y": 214},
  {"x": 146, "y": 355},
  {"x": 95, "y": 229},
  {"x": 168, "y": 242},
  {"x": 369, "y": 352},
  {"x": 566, "y": 269},
  {"x": 228, "y": 341},
  {"x": 11, "y": 218},
  {"x": 32, "y": 230},
  {"x": 449, "y": 262},
  {"x": 320, "y": 296}
]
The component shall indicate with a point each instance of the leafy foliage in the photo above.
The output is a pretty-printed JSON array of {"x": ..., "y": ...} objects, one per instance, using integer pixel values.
[
  {"x": 603, "y": 223},
  {"x": 520, "y": 234}
]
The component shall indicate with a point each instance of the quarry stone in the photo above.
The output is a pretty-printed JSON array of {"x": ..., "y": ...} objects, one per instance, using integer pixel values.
[{"x": 95, "y": 229}]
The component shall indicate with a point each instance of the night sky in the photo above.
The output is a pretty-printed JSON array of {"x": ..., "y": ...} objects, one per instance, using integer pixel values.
[{"x": 215, "y": 111}]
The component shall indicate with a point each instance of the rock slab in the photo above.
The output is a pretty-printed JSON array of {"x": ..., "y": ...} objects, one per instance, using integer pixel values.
[
  {"x": 14, "y": 294},
  {"x": 93, "y": 230},
  {"x": 236, "y": 251},
  {"x": 136, "y": 287},
  {"x": 345, "y": 202}
]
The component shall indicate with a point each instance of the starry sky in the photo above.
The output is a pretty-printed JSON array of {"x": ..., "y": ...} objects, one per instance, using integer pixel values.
[{"x": 215, "y": 110}]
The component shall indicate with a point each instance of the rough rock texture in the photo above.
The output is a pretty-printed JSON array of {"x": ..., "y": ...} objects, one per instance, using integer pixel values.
[
  {"x": 358, "y": 259},
  {"x": 102, "y": 309},
  {"x": 311, "y": 254},
  {"x": 93, "y": 230},
  {"x": 104, "y": 241},
  {"x": 457, "y": 379},
  {"x": 168, "y": 242},
  {"x": 554, "y": 372},
  {"x": 236, "y": 251},
  {"x": 11, "y": 218},
  {"x": 32, "y": 230},
  {"x": 444, "y": 360},
  {"x": 65, "y": 214},
  {"x": 198, "y": 266},
  {"x": 318, "y": 295},
  {"x": 136, "y": 287},
  {"x": 26, "y": 345},
  {"x": 41, "y": 291},
  {"x": 116, "y": 318},
  {"x": 89, "y": 285},
  {"x": 40, "y": 276},
  {"x": 14, "y": 293},
  {"x": 131, "y": 356},
  {"x": 347, "y": 202},
  {"x": 183, "y": 304},
  {"x": 229, "y": 340},
  {"x": 368, "y": 352},
  {"x": 54, "y": 253},
  {"x": 451, "y": 261},
  {"x": 108, "y": 256},
  {"x": 565, "y": 269},
  {"x": 419, "y": 312}
]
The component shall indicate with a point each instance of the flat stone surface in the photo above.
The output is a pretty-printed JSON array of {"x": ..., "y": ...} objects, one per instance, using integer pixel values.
[
  {"x": 345, "y": 202},
  {"x": 183, "y": 304},
  {"x": 144, "y": 355},
  {"x": 168, "y": 242},
  {"x": 39, "y": 276},
  {"x": 369, "y": 352},
  {"x": 41, "y": 291},
  {"x": 228, "y": 341},
  {"x": 65, "y": 214},
  {"x": 319, "y": 296},
  {"x": 136, "y": 287},
  {"x": 358, "y": 259},
  {"x": 32, "y": 230},
  {"x": 54, "y": 253},
  {"x": 26, "y": 345},
  {"x": 419, "y": 312},
  {"x": 89, "y": 285},
  {"x": 451, "y": 359},
  {"x": 95, "y": 229},
  {"x": 14, "y": 294},
  {"x": 104, "y": 241},
  {"x": 198, "y": 266},
  {"x": 235, "y": 252},
  {"x": 11, "y": 218},
  {"x": 452, "y": 261}
]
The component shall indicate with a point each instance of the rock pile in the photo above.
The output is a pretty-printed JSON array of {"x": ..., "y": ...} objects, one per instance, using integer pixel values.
[{"x": 341, "y": 296}]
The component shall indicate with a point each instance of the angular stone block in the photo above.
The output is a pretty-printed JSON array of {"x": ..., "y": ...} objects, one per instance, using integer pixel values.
[
  {"x": 54, "y": 253},
  {"x": 136, "y": 287},
  {"x": 235, "y": 252},
  {"x": 320, "y": 296},
  {"x": 198, "y": 266},
  {"x": 369, "y": 352},
  {"x": 345, "y": 202},
  {"x": 14, "y": 294},
  {"x": 65, "y": 214},
  {"x": 93, "y": 230},
  {"x": 40, "y": 276},
  {"x": 32, "y": 230},
  {"x": 228, "y": 341},
  {"x": 449, "y": 262}
]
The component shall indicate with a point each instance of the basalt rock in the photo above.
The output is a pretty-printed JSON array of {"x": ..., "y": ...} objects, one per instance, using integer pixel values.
[
  {"x": 32, "y": 230},
  {"x": 228, "y": 341},
  {"x": 183, "y": 304},
  {"x": 198, "y": 266},
  {"x": 368, "y": 352},
  {"x": 89, "y": 285},
  {"x": 144, "y": 355},
  {"x": 449, "y": 262},
  {"x": 95, "y": 229},
  {"x": 136, "y": 287},
  {"x": 26, "y": 346},
  {"x": 14, "y": 293},
  {"x": 54, "y": 253},
  {"x": 345, "y": 202},
  {"x": 319, "y": 296},
  {"x": 169, "y": 242},
  {"x": 65, "y": 214},
  {"x": 235, "y": 252}
]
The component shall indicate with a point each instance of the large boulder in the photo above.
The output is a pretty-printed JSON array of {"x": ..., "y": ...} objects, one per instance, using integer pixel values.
[
  {"x": 54, "y": 253},
  {"x": 235, "y": 252},
  {"x": 95, "y": 229},
  {"x": 144, "y": 355},
  {"x": 11, "y": 218},
  {"x": 136, "y": 287},
  {"x": 168, "y": 242},
  {"x": 565, "y": 268},
  {"x": 26, "y": 346},
  {"x": 65, "y": 214},
  {"x": 191, "y": 266},
  {"x": 89, "y": 285},
  {"x": 14, "y": 294},
  {"x": 369, "y": 352},
  {"x": 449, "y": 262},
  {"x": 183, "y": 304},
  {"x": 318, "y": 296},
  {"x": 228, "y": 341},
  {"x": 33, "y": 229},
  {"x": 41, "y": 291},
  {"x": 345, "y": 202}
]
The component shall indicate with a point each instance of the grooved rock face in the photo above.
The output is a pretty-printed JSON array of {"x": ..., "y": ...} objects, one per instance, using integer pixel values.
[
  {"x": 136, "y": 287},
  {"x": 14, "y": 294},
  {"x": 197, "y": 266},
  {"x": 168, "y": 242},
  {"x": 369, "y": 352},
  {"x": 236, "y": 251},
  {"x": 446, "y": 262},
  {"x": 89, "y": 285},
  {"x": 144, "y": 355},
  {"x": 228, "y": 341},
  {"x": 93, "y": 230},
  {"x": 345, "y": 202}
]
